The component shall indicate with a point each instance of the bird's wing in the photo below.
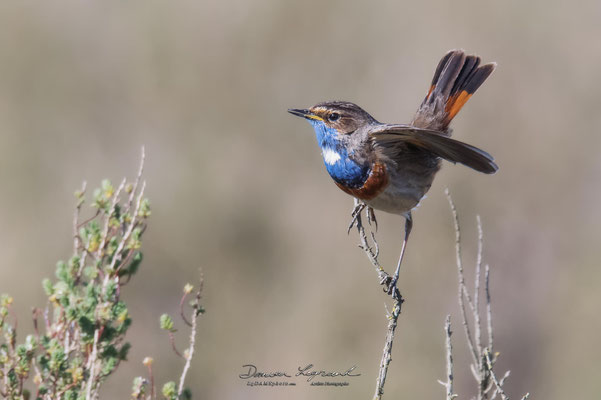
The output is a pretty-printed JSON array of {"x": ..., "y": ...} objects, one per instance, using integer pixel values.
[{"x": 390, "y": 139}]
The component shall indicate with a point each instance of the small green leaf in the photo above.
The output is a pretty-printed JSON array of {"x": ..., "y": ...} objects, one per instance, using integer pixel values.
[
  {"x": 167, "y": 323},
  {"x": 48, "y": 287},
  {"x": 107, "y": 189},
  {"x": 31, "y": 342},
  {"x": 139, "y": 388},
  {"x": 6, "y": 300},
  {"x": 169, "y": 390},
  {"x": 144, "y": 211}
]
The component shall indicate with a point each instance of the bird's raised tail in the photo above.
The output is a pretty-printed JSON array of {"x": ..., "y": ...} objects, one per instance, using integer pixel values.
[{"x": 456, "y": 78}]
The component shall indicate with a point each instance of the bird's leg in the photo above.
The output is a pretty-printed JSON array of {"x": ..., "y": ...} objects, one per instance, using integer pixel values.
[
  {"x": 355, "y": 214},
  {"x": 391, "y": 288},
  {"x": 371, "y": 217}
]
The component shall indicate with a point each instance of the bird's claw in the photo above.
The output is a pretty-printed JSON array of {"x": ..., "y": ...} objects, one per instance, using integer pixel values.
[
  {"x": 354, "y": 215},
  {"x": 371, "y": 217},
  {"x": 390, "y": 287}
]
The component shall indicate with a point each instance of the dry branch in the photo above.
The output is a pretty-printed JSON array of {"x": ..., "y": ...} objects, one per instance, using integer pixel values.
[{"x": 483, "y": 357}]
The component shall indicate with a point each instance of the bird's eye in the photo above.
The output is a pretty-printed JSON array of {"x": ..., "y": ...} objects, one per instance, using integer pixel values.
[{"x": 333, "y": 117}]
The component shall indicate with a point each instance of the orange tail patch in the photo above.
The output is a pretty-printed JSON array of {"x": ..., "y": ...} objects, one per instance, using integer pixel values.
[
  {"x": 455, "y": 80},
  {"x": 455, "y": 103}
]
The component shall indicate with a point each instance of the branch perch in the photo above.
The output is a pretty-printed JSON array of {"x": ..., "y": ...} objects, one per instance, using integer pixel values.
[{"x": 372, "y": 252}]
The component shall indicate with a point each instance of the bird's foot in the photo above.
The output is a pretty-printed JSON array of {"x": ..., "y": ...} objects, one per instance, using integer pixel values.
[
  {"x": 354, "y": 215},
  {"x": 371, "y": 217},
  {"x": 390, "y": 287}
]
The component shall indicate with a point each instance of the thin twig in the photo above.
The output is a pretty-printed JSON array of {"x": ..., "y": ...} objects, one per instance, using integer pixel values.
[
  {"x": 478, "y": 366},
  {"x": 190, "y": 352},
  {"x": 498, "y": 384},
  {"x": 173, "y": 347},
  {"x": 181, "y": 310},
  {"x": 130, "y": 229},
  {"x": 92, "y": 365},
  {"x": 501, "y": 382},
  {"x": 138, "y": 178},
  {"x": 82, "y": 259},
  {"x": 462, "y": 287},
  {"x": 151, "y": 375},
  {"x": 107, "y": 224},
  {"x": 126, "y": 260},
  {"x": 372, "y": 254},
  {"x": 488, "y": 307},
  {"x": 76, "y": 237},
  {"x": 35, "y": 313},
  {"x": 477, "y": 325},
  {"x": 484, "y": 384},
  {"x": 85, "y": 221},
  {"x": 387, "y": 352},
  {"x": 449, "y": 382},
  {"x": 484, "y": 357}
]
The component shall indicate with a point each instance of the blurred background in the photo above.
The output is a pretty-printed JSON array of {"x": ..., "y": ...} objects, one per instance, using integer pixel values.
[{"x": 238, "y": 186}]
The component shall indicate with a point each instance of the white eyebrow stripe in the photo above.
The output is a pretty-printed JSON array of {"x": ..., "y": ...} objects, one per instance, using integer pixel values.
[{"x": 330, "y": 156}]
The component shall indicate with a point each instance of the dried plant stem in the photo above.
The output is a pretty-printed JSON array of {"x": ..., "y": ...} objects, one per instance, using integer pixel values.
[
  {"x": 463, "y": 293},
  {"x": 76, "y": 238},
  {"x": 488, "y": 307},
  {"x": 372, "y": 252},
  {"x": 476, "y": 310},
  {"x": 448, "y": 384},
  {"x": 92, "y": 366},
  {"x": 483, "y": 358},
  {"x": 387, "y": 352},
  {"x": 189, "y": 354},
  {"x": 100, "y": 251},
  {"x": 494, "y": 376},
  {"x": 129, "y": 231},
  {"x": 173, "y": 346},
  {"x": 138, "y": 178},
  {"x": 190, "y": 351}
]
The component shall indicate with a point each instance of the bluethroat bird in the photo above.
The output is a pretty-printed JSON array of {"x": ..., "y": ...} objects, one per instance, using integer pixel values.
[{"x": 390, "y": 167}]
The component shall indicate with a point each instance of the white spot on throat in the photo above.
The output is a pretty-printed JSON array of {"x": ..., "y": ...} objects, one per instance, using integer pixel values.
[{"x": 330, "y": 156}]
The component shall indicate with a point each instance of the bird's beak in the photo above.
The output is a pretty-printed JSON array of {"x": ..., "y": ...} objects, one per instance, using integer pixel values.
[{"x": 305, "y": 114}]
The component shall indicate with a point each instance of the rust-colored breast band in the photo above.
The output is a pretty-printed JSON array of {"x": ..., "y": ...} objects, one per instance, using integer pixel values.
[{"x": 375, "y": 183}]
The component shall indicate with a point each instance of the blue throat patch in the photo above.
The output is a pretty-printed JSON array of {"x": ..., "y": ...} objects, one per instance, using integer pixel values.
[{"x": 336, "y": 158}]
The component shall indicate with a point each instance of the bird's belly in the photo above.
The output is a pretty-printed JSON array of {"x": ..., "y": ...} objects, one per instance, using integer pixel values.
[
  {"x": 394, "y": 202},
  {"x": 402, "y": 194}
]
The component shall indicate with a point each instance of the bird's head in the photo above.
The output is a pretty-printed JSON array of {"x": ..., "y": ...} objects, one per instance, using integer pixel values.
[
  {"x": 342, "y": 117},
  {"x": 339, "y": 129}
]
